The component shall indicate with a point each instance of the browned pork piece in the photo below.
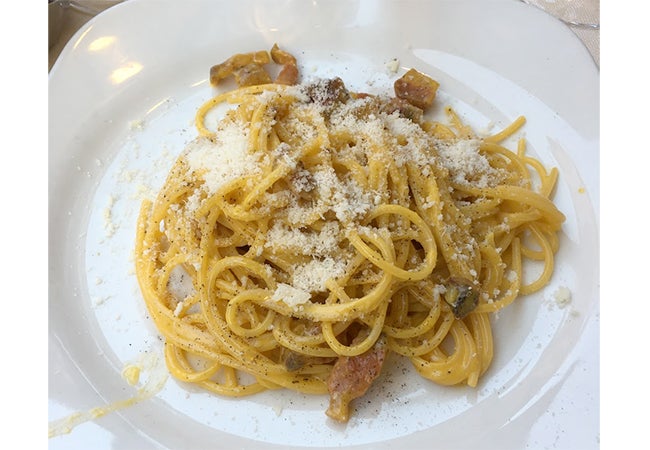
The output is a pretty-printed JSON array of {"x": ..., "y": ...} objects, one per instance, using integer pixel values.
[
  {"x": 461, "y": 296},
  {"x": 416, "y": 88},
  {"x": 248, "y": 68},
  {"x": 351, "y": 377},
  {"x": 403, "y": 108},
  {"x": 328, "y": 92},
  {"x": 288, "y": 75},
  {"x": 251, "y": 75},
  {"x": 238, "y": 62},
  {"x": 289, "y": 72},
  {"x": 282, "y": 57}
]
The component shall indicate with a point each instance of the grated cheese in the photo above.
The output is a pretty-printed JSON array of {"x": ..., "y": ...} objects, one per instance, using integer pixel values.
[
  {"x": 466, "y": 164},
  {"x": 562, "y": 296},
  {"x": 180, "y": 283},
  {"x": 290, "y": 295},
  {"x": 109, "y": 226},
  {"x": 393, "y": 65},
  {"x": 223, "y": 159},
  {"x": 322, "y": 243},
  {"x": 311, "y": 277},
  {"x": 511, "y": 276}
]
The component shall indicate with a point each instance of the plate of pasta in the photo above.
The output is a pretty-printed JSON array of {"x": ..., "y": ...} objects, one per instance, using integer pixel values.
[{"x": 305, "y": 224}]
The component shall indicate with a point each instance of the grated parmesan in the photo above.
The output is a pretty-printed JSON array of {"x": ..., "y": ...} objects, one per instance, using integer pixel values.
[
  {"x": 290, "y": 295},
  {"x": 562, "y": 296},
  {"x": 393, "y": 65},
  {"x": 180, "y": 283},
  {"x": 322, "y": 243},
  {"x": 466, "y": 164},
  {"x": 311, "y": 277},
  {"x": 223, "y": 159}
]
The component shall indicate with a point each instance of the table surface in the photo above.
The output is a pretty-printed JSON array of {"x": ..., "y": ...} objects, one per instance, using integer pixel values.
[{"x": 67, "y": 17}]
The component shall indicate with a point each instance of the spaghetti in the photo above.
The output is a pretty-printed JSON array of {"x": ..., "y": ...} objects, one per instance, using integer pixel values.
[{"x": 315, "y": 227}]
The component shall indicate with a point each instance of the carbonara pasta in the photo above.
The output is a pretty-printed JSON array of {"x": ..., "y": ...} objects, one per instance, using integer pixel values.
[{"x": 313, "y": 230}]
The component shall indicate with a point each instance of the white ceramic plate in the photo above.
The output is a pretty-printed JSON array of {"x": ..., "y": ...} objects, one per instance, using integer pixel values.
[{"x": 122, "y": 99}]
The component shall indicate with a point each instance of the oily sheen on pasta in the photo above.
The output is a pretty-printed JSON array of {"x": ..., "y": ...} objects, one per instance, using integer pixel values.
[{"x": 313, "y": 227}]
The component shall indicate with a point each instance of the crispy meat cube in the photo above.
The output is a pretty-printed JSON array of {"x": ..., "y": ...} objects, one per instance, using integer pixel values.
[
  {"x": 416, "y": 88},
  {"x": 351, "y": 378}
]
